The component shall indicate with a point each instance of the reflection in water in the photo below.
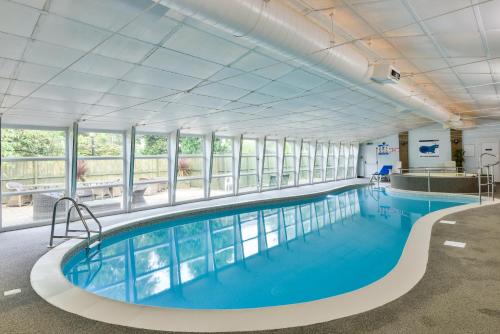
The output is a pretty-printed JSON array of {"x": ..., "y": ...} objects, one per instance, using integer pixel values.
[{"x": 276, "y": 255}]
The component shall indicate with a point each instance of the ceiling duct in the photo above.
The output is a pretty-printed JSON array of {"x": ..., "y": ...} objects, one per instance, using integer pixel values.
[{"x": 274, "y": 25}]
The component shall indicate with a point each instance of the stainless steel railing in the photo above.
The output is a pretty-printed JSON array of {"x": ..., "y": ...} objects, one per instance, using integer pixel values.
[{"x": 77, "y": 206}]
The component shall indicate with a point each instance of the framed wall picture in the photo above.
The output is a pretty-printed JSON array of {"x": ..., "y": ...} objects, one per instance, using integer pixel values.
[{"x": 428, "y": 148}]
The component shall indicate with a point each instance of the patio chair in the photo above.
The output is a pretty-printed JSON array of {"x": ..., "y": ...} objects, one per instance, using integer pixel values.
[
  {"x": 17, "y": 200},
  {"x": 138, "y": 193},
  {"x": 228, "y": 184},
  {"x": 273, "y": 181},
  {"x": 43, "y": 204},
  {"x": 383, "y": 174},
  {"x": 284, "y": 179}
]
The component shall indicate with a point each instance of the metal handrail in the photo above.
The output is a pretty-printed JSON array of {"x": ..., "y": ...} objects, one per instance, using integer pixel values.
[
  {"x": 87, "y": 230},
  {"x": 490, "y": 177}
]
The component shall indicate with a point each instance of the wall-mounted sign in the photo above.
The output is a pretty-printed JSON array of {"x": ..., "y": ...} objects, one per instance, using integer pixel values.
[
  {"x": 428, "y": 148},
  {"x": 385, "y": 149}
]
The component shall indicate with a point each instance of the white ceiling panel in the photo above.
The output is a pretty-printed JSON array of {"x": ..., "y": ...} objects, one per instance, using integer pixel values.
[
  {"x": 181, "y": 63},
  {"x": 100, "y": 65},
  {"x": 141, "y": 90},
  {"x": 51, "y": 55},
  {"x": 17, "y": 19},
  {"x": 201, "y": 101},
  {"x": 124, "y": 48},
  {"x": 84, "y": 81},
  {"x": 385, "y": 15},
  {"x": 257, "y": 98},
  {"x": 7, "y": 67},
  {"x": 120, "y": 101},
  {"x": 11, "y": 46},
  {"x": 201, "y": 44},
  {"x": 40, "y": 104},
  {"x": 464, "y": 44},
  {"x": 38, "y": 4},
  {"x": 275, "y": 71},
  {"x": 280, "y": 90},
  {"x": 151, "y": 76},
  {"x": 221, "y": 91},
  {"x": 151, "y": 27},
  {"x": 4, "y": 84},
  {"x": 23, "y": 88},
  {"x": 98, "y": 13},
  {"x": 246, "y": 81},
  {"x": 70, "y": 34},
  {"x": 302, "y": 79},
  {"x": 36, "y": 73},
  {"x": 67, "y": 94}
]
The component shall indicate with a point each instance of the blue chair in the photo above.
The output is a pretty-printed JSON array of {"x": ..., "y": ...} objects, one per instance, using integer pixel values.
[{"x": 384, "y": 173}]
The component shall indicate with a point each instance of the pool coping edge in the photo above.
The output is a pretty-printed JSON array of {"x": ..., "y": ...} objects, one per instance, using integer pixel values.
[{"x": 49, "y": 282}]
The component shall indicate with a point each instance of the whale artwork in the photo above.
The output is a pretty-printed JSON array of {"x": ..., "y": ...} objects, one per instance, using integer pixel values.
[{"x": 429, "y": 148}]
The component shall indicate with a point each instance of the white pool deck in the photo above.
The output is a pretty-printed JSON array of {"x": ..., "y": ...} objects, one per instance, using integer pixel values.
[{"x": 48, "y": 281}]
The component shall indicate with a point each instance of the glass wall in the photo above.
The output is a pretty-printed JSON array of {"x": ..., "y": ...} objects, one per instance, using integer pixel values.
[
  {"x": 190, "y": 169},
  {"x": 305, "y": 160},
  {"x": 289, "y": 171},
  {"x": 35, "y": 168},
  {"x": 150, "y": 171},
  {"x": 222, "y": 180},
  {"x": 248, "y": 179},
  {"x": 331, "y": 163},
  {"x": 33, "y": 176},
  {"x": 270, "y": 170},
  {"x": 318, "y": 163},
  {"x": 352, "y": 161},
  {"x": 342, "y": 162},
  {"x": 100, "y": 170}
]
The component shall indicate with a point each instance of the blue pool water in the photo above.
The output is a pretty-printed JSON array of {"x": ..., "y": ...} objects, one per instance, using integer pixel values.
[{"x": 264, "y": 256}]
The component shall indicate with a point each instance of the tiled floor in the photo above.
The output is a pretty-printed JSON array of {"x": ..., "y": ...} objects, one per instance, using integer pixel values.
[{"x": 460, "y": 292}]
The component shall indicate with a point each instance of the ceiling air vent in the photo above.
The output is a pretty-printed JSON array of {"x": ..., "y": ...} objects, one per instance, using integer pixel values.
[{"x": 385, "y": 73}]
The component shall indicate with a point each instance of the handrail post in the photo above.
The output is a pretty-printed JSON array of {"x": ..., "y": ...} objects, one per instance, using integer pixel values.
[
  {"x": 479, "y": 183},
  {"x": 428, "y": 180}
]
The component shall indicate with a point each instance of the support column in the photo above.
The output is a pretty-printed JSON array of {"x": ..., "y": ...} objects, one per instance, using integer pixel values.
[
  {"x": 173, "y": 164},
  {"x": 73, "y": 158},
  {"x": 208, "y": 160},
  {"x": 131, "y": 169}
]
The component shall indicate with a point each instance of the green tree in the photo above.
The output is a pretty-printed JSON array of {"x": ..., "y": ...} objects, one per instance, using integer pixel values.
[
  {"x": 190, "y": 145},
  {"x": 154, "y": 145},
  {"x": 100, "y": 144},
  {"x": 32, "y": 143}
]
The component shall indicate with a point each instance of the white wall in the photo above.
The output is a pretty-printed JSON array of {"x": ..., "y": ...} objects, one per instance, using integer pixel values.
[
  {"x": 429, "y": 132},
  {"x": 367, "y": 163},
  {"x": 479, "y": 138}
]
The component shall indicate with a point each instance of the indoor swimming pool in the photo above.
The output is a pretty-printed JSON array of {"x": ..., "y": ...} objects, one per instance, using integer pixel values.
[{"x": 268, "y": 255}]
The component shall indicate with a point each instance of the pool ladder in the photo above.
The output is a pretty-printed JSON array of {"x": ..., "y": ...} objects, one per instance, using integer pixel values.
[
  {"x": 87, "y": 230},
  {"x": 490, "y": 178}
]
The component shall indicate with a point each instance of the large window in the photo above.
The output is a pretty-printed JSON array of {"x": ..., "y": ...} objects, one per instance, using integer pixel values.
[
  {"x": 190, "y": 169},
  {"x": 270, "y": 170},
  {"x": 100, "y": 182},
  {"x": 318, "y": 163},
  {"x": 341, "y": 169},
  {"x": 33, "y": 175},
  {"x": 222, "y": 180},
  {"x": 150, "y": 171},
  {"x": 248, "y": 179},
  {"x": 289, "y": 170},
  {"x": 304, "y": 168},
  {"x": 352, "y": 161},
  {"x": 331, "y": 162}
]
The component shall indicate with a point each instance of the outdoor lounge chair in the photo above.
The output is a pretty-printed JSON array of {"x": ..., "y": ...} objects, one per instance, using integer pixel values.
[
  {"x": 17, "y": 200},
  {"x": 382, "y": 175}
]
